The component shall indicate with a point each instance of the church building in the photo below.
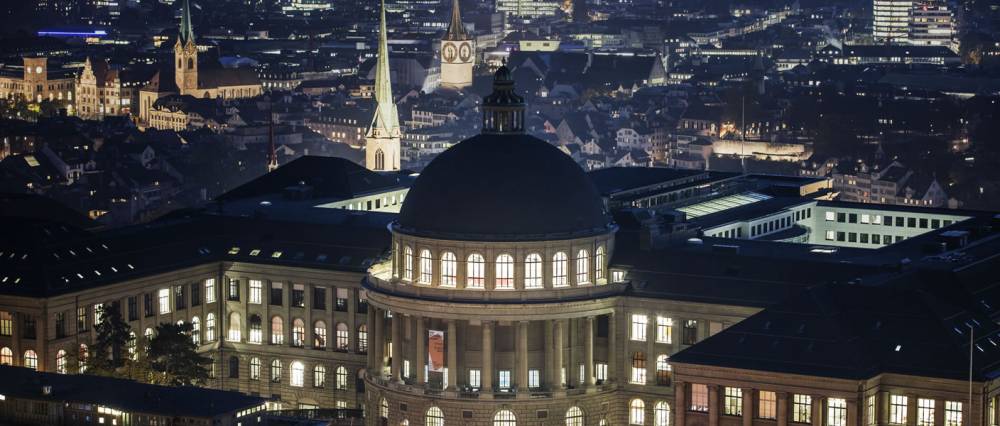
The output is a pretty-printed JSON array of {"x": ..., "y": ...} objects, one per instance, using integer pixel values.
[
  {"x": 458, "y": 53},
  {"x": 382, "y": 148}
]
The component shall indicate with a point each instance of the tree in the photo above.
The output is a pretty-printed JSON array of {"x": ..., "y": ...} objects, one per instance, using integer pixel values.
[
  {"x": 108, "y": 354},
  {"x": 173, "y": 357}
]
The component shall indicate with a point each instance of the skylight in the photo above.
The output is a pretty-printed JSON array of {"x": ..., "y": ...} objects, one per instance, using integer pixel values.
[{"x": 722, "y": 204}]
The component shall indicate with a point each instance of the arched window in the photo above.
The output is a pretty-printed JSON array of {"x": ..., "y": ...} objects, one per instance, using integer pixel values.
[
  {"x": 449, "y": 269},
  {"x": 505, "y": 272},
  {"x": 504, "y": 418},
  {"x": 276, "y": 371},
  {"x": 662, "y": 370},
  {"x": 383, "y": 409},
  {"x": 363, "y": 338},
  {"x": 379, "y": 159},
  {"x": 599, "y": 263},
  {"x": 277, "y": 330},
  {"x": 210, "y": 327},
  {"x": 81, "y": 358},
  {"x": 559, "y": 270},
  {"x": 319, "y": 334},
  {"x": 636, "y": 412},
  {"x": 343, "y": 336},
  {"x": 574, "y": 416},
  {"x": 319, "y": 376},
  {"x": 61, "y": 362},
  {"x": 582, "y": 267},
  {"x": 341, "y": 383},
  {"x": 180, "y": 63},
  {"x": 190, "y": 63},
  {"x": 31, "y": 359},
  {"x": 407, "y": 264},
  {"x": 256, "y": 330},
  {"x": 533, "y": 271},
  {"x": 661, "y": 414},
  {"x": 404, "y": 422},
  {"x": 196, "y": 330},
  {"x": 254, "y": 368},
  {"x": 6, "y": 356},
  {"x": 298, "y": 332},
  {"x": 475, "y": 271},
  {"x": 426, "y": 267},
  {"x": 234, "y": 367},
  {"x": 638, "y": 368},
  {"x": 434, "y": 417},
  {"x": 235, "y": 327}
]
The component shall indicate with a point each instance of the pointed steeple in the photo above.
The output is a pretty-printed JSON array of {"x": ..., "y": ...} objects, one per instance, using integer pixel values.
[
  {"x": 385, "y": 124},
  {"x": 456, "y": 31},
  {"x": 186, "y": 32}
]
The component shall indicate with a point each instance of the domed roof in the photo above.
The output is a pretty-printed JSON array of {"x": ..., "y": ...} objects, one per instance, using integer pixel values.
[{"x": 503, "y": 187}]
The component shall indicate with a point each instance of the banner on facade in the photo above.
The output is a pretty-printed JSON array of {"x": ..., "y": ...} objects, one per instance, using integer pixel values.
[{"x": 435, "y": 351}]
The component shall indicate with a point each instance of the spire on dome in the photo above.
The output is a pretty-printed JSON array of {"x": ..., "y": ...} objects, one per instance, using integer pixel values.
[
  {"x": 385, "y": 123},
  {"x": 186, "y": 32},
  {"x": 503, "y": 110},
  {"x": 456, "y": 31}
]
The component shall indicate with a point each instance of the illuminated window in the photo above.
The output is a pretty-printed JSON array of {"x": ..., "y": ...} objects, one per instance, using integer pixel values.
[
  {"x": 699, "y": 397},
  {"x": 6, "y": 356},
  {"x": 637, "y": 412},
  {"x": 582, "y": 267},
  {"x": 7, "y": 323},
  {"x": 475, "y": 268},
  {"x": 210, "y": 290},
  {"x": 256, "y": 291},
  {"x": 196, "y": 330},
  {"x": 663, "y": 370},
  {"x": 363, "y": 338},
  {"x": 504, "y": 418},
  {"x": 343, "y": 336},
  {"x": 298, "y": 332},
  {"x": 383, "y": 409},
  {"x": 505, "y": 272},
  {"x": 31, "y": 359},
  {"x": 871, "y": 413},
  {"x": 254, "y": 368},
  {"x": 164, "y": 300},
  {"x": 426, "y": 267},
  {"x": 341, "y": 378},
  {"x": 256, "y": 330},
  {"x": 767, "y": 405},
  {"x": 599, "y": 263},
  {"x": 638, "y": 368},
  {"x": 897, "y": 409},
  {"x": 733, "y": 401},
  {"x": 574, "y": 416},
  {"x": 559, "y": 261},
  {"x": 661, "y": 414},
  {"x": 319, "y": 334},
  {"x": 61, "y": 362},
  {"x": 277, "y": 330},
  {"x": 276, "y": 371},
  {"x": 836, "y": 412},
  {"x": 664, "y": 329},
  {"x": 81, "y": 357},
  {"x": 234, "y": 327},
  {"x": 210, "y": 327},
  {"x": 449, "y": 269},
  {"x": 407, "y": 264},
  {"x": 952, "y": 413},
  {"x": 434, "y": 417},
  {"x": 639, "y": 323},
  {"x": 801, "y": 408},
  {"x": 925, "y": 412},
  {"x": 319, "y": 376},
  {"x": 533, "y": 271}
]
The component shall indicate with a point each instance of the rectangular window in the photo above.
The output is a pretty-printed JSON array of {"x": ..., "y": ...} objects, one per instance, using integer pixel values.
[
  {"x": 133, "y": 308},
  {"x": 639, "y": 322},
  {"x": 952, "y": 413},
  {"x": 60, "y": 319},
  {"x": 841, "y": 217},
  {"x": 504, "y": 379},
  {"x": 887, "y": 221},
  {"x": 7, "y": 323},
  {"x": 852, "y": 218},
  {"x": 28, "y": 331},
  {"x": 866, "y": 218},
  {"x": 690, "y": 332},
  {"x": 98, "y": 313},
  {"x": 767, "y": 405},
  {"x": 699, "y": 397},
  {"x": 871, "y": 410},
  {"x": 234, "y": 290},
  {"x": 664, "y": 326},
  {"x": 164, "y": 300},
  {"x": 475, "y": 379},
  {"x": 925, "y": 412},
  {"x": 298, "y": 295},
  {"x": 256, "y": 292},
  {"x": 180, "y": 302},
  {"x": 147, "y": 304},
  {"x": 733, "y": 401},
  {"x": 534, "y": 379},
  {"x": 831, "y": 235},
  {"x": 897, "y": 409},
  {"x": 319, "y": 298},
  {"x": 195, "y": 294},
  {"x": 830, "y": 216},
  {"x": 276, "y": 294},
  {"x": 911, "y": 222},
  {"x": 601, "y": 371},
  {"x": 801, "y": 408},
  {"x": 836, "y": 412},
  {"x": 342, "y": 300},
  {"x": 406, "y": 368},
  {"x": 210, "y": 290}
]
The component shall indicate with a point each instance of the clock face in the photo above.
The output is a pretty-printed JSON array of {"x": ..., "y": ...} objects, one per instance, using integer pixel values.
[
  {"x": 465, "y": 52},
  {"x": 449, "y": 52}
]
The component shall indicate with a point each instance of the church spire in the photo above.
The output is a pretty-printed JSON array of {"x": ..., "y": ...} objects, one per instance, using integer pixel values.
[
  {"x": 386, "y": 120},
  {"x": 456, "y": 31},
  {"x": 186, "y": 32}
]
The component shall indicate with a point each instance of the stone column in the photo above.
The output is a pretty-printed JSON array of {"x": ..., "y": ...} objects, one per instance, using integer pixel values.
[
  {"x": 397, "y": 347},
  {"x": 817, "y": 410},
  {"x": 371, "y": 342},
  {"x": 588, "y": 357},
  {"x": 680, "y": 403},
  {"x": 911, "y": 409},
  {"x": 377, "y": 343},
  {"x": 748, "y": 408},
  {"x": 451, "y": 341},
  {"x": 713, "y": 405},
  {"x": 487, "y": 373},
  {"x": 549, "y": 370},
  {"x": 650, "y": 348},
  {"x": 852, "y": 412},
  {"x": 352, "y": 319},
  {"x": 612, "y": 348},
  {"x": 421, "y": 335},
  {"x": 522, "y": 356},
  {"x": 557, "y": 358},
  {"x": 782, "y": 408}
]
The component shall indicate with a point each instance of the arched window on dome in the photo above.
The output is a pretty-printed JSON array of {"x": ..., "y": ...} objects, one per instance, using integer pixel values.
[
  {"x": 383, "y": 409},
  {"x": 434, "y": 417},
  {"x": 426, "y": 267},
  {"x": 582, "y": 267},
  {"x": 504, "y": 418},
  {"x": 449, "y": 269},
  {"x": 662, "y": 370},
  {"x": 277, "y": 330},
  {"x": 574, "y": 416},
  {"x": 505, "y": 272},
  {"x": 637, "y": 412},
  {"x": 599, "y": 264},
  {"x": 533, "y": 271},
  {"x": 475, "y": 270},
  {"x": 407, "y": 263},
  {"x": 559, "y": 262},
  {"x": 661, "y": 414}
]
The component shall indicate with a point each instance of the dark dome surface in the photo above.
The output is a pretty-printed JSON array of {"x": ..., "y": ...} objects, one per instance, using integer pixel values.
[{"x": 503, "y": 187}]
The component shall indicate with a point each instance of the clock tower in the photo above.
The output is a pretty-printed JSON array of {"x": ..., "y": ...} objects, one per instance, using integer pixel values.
[{"x": 458, "y": 53}]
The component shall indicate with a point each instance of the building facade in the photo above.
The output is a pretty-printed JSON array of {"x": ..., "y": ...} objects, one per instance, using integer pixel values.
[
  {"x": 458, "y": 53},
  {"x": 36, "y": 82}
]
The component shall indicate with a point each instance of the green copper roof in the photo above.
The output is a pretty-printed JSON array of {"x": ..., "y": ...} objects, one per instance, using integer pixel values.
[
  {"x": 386, "y": 120},
  {"x": 187, "y": 29}
]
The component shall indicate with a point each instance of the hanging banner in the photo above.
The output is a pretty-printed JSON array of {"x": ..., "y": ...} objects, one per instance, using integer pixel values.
[{"x": 435, "y": 351}]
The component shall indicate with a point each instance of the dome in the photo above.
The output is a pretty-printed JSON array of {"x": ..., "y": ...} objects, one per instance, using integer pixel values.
[{"x": 503, "y": 187}]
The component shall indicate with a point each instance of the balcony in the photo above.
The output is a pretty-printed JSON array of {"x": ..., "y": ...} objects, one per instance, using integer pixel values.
[
  {"x": 448, "y": 294},
  {"x": 466, "y": 393}
]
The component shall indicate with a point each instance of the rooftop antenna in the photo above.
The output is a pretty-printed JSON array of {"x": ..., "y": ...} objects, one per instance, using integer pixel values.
[
  {"x": 743, "y": 132},
  {"x": 272, "y": 158}
]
